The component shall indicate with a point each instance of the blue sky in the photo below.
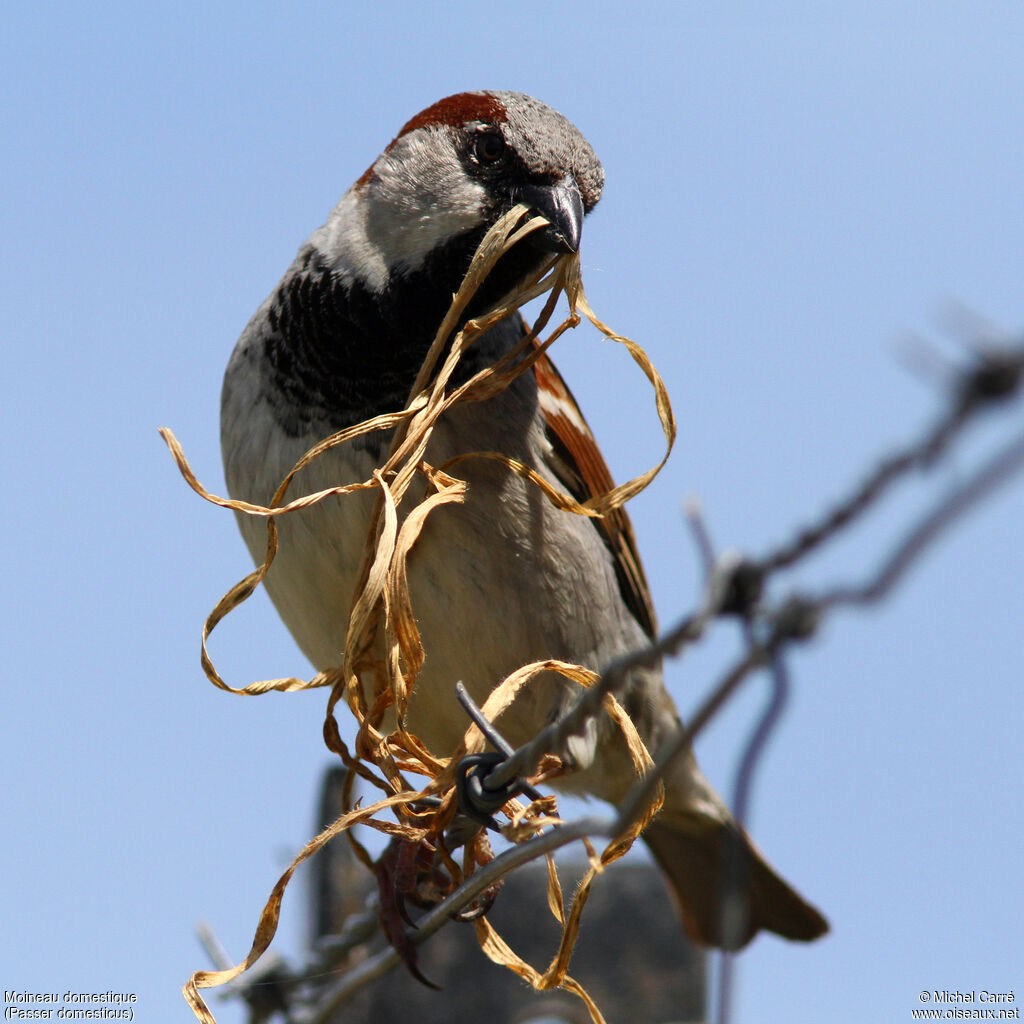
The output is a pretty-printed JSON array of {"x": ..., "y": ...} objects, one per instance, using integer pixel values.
[{"x": 793, "y": 191}]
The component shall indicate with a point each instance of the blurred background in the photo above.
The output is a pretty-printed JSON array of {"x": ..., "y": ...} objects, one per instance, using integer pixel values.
[{"x": 792, "y": 194}]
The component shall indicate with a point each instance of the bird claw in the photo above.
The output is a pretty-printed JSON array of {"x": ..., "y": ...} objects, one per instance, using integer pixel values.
[
  {"x": 407, "y": 874},
  {"x": 398, "y": 870},
  {"x": 482, "y": 905}
]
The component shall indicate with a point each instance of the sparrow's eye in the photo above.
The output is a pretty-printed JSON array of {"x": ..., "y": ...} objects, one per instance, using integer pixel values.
[{"x": 489, "y": 147}]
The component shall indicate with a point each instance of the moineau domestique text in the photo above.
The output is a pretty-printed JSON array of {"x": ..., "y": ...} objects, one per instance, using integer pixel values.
[{"x": 70, "y": 997}]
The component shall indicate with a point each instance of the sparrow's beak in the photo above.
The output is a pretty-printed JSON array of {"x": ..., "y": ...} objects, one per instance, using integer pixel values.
[{"x": 562, "y": 206}]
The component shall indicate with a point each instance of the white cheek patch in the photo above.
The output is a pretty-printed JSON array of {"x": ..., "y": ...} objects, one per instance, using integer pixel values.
[{"x": 418, "y": 198}]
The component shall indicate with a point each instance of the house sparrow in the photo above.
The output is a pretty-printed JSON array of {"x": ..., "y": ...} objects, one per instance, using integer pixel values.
[{"x": 504, "y": 578}]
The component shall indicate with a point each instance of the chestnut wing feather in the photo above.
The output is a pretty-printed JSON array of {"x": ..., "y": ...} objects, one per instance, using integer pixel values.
[{"x": 582, "y": 470}]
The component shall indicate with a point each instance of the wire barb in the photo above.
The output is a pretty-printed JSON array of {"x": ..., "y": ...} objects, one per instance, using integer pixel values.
[{"x": 479, "y": 796}]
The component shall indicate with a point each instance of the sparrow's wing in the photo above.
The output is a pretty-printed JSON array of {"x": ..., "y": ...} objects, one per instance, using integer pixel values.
[{"x": 581, "y": 468}]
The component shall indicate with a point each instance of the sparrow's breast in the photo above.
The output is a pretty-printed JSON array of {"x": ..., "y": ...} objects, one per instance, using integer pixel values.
[{"x": 502, "y": 579}]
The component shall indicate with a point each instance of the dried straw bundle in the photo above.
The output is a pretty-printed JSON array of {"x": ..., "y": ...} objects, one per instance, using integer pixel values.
[{"x": 383, "y": 653}]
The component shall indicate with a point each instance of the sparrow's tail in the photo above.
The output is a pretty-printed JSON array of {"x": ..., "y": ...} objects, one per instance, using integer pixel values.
[{"x": 701, "y": 856}]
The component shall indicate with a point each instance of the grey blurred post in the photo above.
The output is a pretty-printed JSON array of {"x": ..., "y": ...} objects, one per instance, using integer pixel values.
[{"x": 632, "y": 955}]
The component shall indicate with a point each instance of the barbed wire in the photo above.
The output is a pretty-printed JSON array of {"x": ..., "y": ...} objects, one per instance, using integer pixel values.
[{"x": 735, "y": 586}]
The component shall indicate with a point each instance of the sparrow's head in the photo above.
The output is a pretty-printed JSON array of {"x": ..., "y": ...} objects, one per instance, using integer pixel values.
[{"x": 449, "y": 174}]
